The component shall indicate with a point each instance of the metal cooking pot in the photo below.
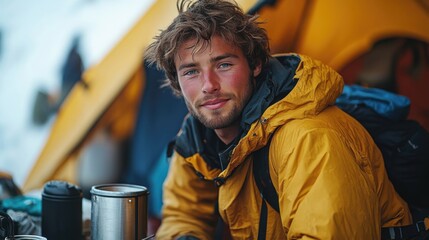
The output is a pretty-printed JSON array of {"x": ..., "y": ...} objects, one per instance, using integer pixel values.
[{"x": 118, "y": 211}]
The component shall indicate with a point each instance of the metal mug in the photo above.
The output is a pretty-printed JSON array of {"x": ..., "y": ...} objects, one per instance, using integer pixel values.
[{"x": 118, "y": 211}]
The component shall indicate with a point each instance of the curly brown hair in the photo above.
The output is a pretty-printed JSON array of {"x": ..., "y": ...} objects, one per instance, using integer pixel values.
[{"x": 201, "y": 20}]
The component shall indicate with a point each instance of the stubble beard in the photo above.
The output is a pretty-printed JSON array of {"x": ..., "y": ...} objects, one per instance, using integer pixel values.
[{"x": 218, "y": 118}]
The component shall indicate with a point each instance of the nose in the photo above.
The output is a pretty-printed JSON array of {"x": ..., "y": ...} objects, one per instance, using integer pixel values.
[{"x": 210, "y": 82}]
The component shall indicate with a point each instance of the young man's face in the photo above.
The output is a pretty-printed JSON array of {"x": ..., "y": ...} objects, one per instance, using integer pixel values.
[{"x": 216, "y": 82}]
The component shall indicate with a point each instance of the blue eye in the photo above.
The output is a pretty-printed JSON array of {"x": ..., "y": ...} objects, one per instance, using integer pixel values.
[
  {"x": 190, "y": 72},
  {"x": 225, "y": 65}
]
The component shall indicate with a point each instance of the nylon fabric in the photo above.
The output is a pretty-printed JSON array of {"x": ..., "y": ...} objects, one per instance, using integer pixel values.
[{"x": 331, "y": 185}]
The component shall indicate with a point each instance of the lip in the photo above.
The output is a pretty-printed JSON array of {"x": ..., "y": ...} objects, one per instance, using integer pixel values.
[{"x": 214, "y": 104}]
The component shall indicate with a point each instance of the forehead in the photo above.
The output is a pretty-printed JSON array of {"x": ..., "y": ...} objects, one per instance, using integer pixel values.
[{"x": 190, "y": 48}]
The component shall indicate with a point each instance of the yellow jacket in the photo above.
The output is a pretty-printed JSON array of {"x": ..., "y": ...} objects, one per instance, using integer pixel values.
[{"x": 328, "y": 172}]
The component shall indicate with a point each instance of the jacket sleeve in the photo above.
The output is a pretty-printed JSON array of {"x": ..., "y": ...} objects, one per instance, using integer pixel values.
[
  {"x": 324, "y": 192},
  {"x": 188, "y": 203}
]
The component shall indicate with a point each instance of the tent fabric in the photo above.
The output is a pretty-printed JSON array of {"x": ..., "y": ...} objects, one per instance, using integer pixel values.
[
  {"x": 336, "y": 31},
  {"x": 399, "y": 65},
  {"x": 92, "y": 98},
  {"x": 54, "y": 162},
  {"x": 414, "y": 84},
  {"x": 332, "y": 31},
  {"x": 339, "y": 33},
  {"x": 160, "y": 115}
]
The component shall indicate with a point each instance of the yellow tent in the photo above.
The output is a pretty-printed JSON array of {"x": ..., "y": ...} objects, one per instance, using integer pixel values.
[
  {"x": 336, "y": 31},
  {"x": 379, "y": 43},
  {"x": 106, "y": 97},
  {"x": 333, "y": 31}
]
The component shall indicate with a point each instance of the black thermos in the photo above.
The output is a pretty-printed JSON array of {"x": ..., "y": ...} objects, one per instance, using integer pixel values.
[{"x": 61, "y": 211}]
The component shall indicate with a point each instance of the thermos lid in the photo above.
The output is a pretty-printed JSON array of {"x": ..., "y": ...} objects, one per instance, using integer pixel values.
[
  {"x": 61, "y": 189},
  {"x": 119, "y": 190}
]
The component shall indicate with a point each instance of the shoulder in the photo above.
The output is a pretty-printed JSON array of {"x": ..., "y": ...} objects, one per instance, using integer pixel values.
[
  {"x": 309, "y": 138},
  {"x": 330, "y": 120}
]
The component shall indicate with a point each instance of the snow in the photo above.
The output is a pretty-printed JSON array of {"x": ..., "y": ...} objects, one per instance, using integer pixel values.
[{"x": 35, "y": 39}]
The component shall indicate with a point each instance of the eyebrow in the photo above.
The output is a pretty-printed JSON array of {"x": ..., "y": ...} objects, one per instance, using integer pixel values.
[
  {"x": 221, "y": 57},
  {"x": 215, "y": 59}
]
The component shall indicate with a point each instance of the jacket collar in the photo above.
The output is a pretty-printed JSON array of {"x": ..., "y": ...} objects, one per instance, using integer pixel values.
[{"x": 277, "y": 82}]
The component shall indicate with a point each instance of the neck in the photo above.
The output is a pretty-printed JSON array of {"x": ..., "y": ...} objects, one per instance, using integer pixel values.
[{"x": 228, "y": 134}]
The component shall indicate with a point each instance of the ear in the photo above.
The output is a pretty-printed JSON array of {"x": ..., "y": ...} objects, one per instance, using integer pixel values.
[{"x": 257, "y": 70}]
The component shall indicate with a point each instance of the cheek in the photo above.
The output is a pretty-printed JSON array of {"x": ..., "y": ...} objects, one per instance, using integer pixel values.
[
  {"x": 240, "y": 81},
  {"x": 189, "y": 90}
]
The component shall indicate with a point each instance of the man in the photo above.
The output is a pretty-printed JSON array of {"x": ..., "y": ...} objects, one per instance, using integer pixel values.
[{"x": 327, "y": 171}]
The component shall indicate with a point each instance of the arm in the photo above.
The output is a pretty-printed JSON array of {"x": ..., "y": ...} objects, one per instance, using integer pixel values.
[
  {"x": 323, "y": 192},
  {"x": 189, "y": 203}
]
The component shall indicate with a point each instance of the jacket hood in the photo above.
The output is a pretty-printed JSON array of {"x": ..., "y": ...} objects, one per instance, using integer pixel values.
[{"x": 293, "y": 87}]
